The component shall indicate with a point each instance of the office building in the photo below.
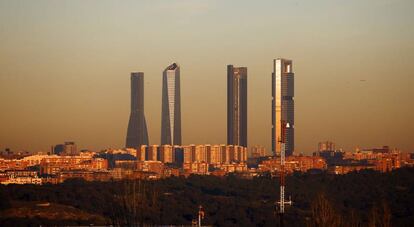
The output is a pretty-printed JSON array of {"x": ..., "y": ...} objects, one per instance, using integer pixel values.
[
  {"x": 171, "y": 106},
  {"x": 237, "y": 106},
  {"x": 283, "y": 106},
  {"x": 137, "y": 133},
  {"x": 326, "y": 146},
  {"x": 70, "y": 148}
]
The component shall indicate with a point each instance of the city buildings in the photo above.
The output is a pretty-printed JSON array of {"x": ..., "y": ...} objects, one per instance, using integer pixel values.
[
  {"x": 294, "y": 163},
  {"x": 214, "y": 154},
  {"x": 258, "y": 151},
  {"x": 283, "y": 106},
  {"x": 137, "y": 133},
  {"x": 67, "y": 148},
  {"x": 237, "y": 106},
  {"x": 159, "y": 161},
  {"x": 171, "y": 106},
  {"x": 326, "y": 146}
]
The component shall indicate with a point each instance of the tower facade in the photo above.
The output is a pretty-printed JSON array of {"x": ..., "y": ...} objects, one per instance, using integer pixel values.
[
  {"x": 137, "y": 133},
  {"x": 237, "y": 105},
  {"x": 283, "y": 106},
  {"x": 171, "y": 106}
]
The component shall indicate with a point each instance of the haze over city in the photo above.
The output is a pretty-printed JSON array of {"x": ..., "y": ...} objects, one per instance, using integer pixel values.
[{"x": 65, "y": 69}]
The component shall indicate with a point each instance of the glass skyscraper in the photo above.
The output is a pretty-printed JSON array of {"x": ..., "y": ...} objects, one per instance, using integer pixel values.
[
  {"x": 237, "y": 106},
  {"x": 171, "y": 106},
  {"x": 137, "y": 133},
  {"x": 283, "y": 106}
]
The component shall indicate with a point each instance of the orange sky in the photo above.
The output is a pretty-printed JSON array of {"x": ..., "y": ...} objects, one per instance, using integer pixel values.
[{"x": 64, "y": 69}]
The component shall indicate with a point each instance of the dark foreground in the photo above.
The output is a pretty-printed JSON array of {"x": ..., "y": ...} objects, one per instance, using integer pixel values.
[{"x": 356, "y": 199}]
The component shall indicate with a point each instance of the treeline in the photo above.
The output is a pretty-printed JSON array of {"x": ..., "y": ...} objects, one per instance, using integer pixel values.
[{"x": 366, "y": 198}]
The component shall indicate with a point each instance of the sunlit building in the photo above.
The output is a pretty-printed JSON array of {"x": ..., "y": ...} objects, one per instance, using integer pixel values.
[
  {"x": 258, "y": 151},
  {"x": 201, "y": 153},
  {"x": 171, "y": 106},
  {"x": 152, "y": 153},
  {"x": 217, "y": 154},
  {"x": 189, "y": 153},
  {"x": 283, "y": 106},
  {"x": 326, "y": 146},
  {"x": 166, "y": 153}
]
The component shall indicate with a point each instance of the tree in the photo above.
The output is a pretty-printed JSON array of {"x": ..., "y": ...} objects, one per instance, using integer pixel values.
[{"x": 323, "y": 213}]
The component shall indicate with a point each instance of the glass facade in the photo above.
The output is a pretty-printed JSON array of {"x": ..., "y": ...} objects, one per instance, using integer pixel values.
[
  {"x": 237, "y": 106},
  {"x": 171, "y": 106},
  {"x": 282, "y": 106},
  {"x": 137, "y": 133}
]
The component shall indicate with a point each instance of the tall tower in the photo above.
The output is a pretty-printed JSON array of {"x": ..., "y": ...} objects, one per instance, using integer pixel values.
[
  {"x": 137, "y": 133},
  {"x": 283, "y": 106},
  {"x": 237, "y": 105},
  {"x": 171, "y": 106}
]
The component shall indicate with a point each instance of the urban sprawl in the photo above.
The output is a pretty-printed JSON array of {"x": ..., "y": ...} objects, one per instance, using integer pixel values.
[{"x": 140, "y": 160}]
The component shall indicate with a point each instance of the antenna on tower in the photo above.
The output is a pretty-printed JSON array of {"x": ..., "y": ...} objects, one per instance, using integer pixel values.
[{"x": 282, "y": 202}]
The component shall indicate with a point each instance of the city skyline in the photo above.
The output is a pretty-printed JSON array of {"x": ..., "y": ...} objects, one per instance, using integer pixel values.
[{"x": 62, "y": 74}]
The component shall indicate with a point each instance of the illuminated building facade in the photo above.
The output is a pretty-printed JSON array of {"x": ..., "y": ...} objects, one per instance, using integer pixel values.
[
  {"x": 171, "y": 106},
  {"x": 283, "y": 106}
]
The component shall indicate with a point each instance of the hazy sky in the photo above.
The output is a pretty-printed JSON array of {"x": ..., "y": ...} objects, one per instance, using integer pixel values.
[{"x": 65, "y": 69}]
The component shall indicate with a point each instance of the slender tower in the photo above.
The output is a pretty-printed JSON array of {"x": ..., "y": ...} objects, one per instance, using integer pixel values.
[
  {"x": 237, "y": 105},
  {"x": 282, "y": 106},
  {"x": 171, "y": 106},
  {"x": 137, "y": 133}
]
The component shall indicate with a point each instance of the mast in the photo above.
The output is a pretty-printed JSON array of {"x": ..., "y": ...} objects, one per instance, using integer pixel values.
[{"x": 282, "y": 202}]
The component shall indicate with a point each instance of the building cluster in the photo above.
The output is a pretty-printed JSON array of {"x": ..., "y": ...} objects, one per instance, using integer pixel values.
[
  {"x": 149, "y": 162},
  {"x": 294, "y": 163},
  {"x": 160, "y": 161},
  {"x": 39, "y": 168},
  {"x": 197, "y": 159},
  {"x": 282, "y": 104},
  {"x": 381, "y": 159},
  {"x": 258, "y": 151}
]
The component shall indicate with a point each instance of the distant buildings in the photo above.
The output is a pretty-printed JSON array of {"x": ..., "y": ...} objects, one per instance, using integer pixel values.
[
  {"x": 237, "y": 106},
  {"x": 258, "y": 151},
  {"x": 380, "y": 159},
  {"x": 171, "y": 106},
  {"x": 326, "y": 146},
  {"x": 55, "y": 164},
  {"x": 68, "y": 148},
  {"x": 137, "y": 133},
  {"x": 159, "y": 161},
  {"x": 294, "y": 163},
  {"x": 283, "y": 106},
  {"x": 58, "y": 149},
  {"x": 210, "y": 154},
  {"x": 214, "y": 154}
]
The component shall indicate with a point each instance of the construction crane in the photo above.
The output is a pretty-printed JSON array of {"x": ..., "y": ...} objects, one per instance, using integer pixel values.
[{"x": 282, "y": 202}]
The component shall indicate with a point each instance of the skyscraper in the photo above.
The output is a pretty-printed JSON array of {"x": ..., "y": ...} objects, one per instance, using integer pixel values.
[
  {"x": 137, "y": 133},
  {"x": 171, "y": 106},
  {"x": 283, "y": 106},
  {"x": 237, "y": 106}
]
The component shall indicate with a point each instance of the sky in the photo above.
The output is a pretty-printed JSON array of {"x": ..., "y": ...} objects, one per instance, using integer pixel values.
[{"x": 65, "y": 69}]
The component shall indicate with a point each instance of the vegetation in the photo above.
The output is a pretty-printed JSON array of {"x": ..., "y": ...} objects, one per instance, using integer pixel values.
[{"x": 366, "y": 198}]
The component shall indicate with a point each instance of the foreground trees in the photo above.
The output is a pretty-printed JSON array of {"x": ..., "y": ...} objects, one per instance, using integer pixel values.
[{"x": 357, "y": 199}]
